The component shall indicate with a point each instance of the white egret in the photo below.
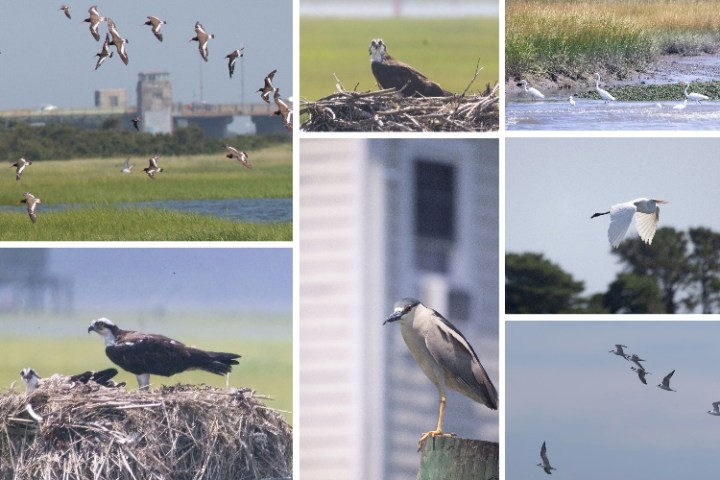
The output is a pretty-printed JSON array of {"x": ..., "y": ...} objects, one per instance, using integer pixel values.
[
  {"x": 696, "y": 97},
  {"x": 646, "y": 213},
  {"x": 604, "y": 94},
  {"x": 533, "y": 92},
  {"x": 572, "y": 101},
  {"x": 680, "y": 106}
]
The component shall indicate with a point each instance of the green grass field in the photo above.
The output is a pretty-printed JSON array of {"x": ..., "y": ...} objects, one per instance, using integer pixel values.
[
  {"x": 445, "y": 50},
  {"x": 98, "y": 185}
]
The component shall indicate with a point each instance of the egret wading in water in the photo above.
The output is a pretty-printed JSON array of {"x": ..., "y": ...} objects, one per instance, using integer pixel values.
[
  {"x": 646, "y": 213},
  {"x": 695, "y": 97},
  {"x": 572, "y": 101},
  {"x": 533, "y": 92},
  {"x": 604, "y": 94}
]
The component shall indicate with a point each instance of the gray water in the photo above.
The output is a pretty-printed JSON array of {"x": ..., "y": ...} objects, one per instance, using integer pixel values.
[
  {"x": 248, "y": 210},
  {"x": 558, "y": 114}
]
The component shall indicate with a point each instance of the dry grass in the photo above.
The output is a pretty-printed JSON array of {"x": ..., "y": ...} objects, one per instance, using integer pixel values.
[{"x": 180, "y": 432}]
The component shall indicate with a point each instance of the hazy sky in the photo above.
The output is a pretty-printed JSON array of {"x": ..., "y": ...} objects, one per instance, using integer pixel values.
[
  {"x": 48, "y": 59},
  {"x": 553, "y": 186},
  {"x": 598, "y": 420}
]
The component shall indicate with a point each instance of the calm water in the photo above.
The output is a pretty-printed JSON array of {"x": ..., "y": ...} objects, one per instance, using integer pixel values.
[
  {"x": 249, "y": 210},
  {"x": 558, "y": 114}
]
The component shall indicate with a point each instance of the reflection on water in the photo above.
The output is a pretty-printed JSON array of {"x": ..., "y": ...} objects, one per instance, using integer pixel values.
[
  {"x": 558, "y": 114},
  {"x": 249, "y": 210}
]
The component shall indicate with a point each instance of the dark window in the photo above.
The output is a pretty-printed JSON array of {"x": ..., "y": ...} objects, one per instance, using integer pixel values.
[{"x": 434, "y": 200}]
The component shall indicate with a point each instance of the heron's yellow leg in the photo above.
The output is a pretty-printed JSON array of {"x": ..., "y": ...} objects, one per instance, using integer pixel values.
[{"x": 438, "y": 430}]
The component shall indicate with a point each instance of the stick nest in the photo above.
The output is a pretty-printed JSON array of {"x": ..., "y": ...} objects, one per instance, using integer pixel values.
[
  {"x": 178, "y": 432},
  {"x": 388, "y": 111}
]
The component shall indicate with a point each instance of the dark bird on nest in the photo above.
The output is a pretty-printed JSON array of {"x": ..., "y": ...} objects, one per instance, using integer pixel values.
[{"x": 103, "y": 377}]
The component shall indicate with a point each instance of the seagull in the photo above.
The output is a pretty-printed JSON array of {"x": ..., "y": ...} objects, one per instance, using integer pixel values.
[
  {"x": 268, "y": 87},
  {"x": 152, "y": 168},
  {"x": 105, "y": 53},
  {"x": 127, "y": 168},
  {"x": 232, "y": 57},
  {"x": 619, "y": 351},
  {"x": 646, "y": 212},
  {"x": 533, "y": 92},
  {"x": 156, "y": 26},
  {"x": 545, "y": 465},
  {"x": 716, "y": 409},
  {"x": 117, "y": 40},
  {"x": 665, "y": 385},
  {"x": 66, "y": 9},
  {"x": 636, "y": 360},
  {"x": 283, "y": 110},
  {"x": 641, "y": 373},
  {"x": 136, "y": 123},
  {"x": 202, "y": 37},
  {"x": 94, "y": 19},
  {"x": 242, "y": 157},
  {"x": 20, "y": 165},
  {"x": 32, "y": 203}
]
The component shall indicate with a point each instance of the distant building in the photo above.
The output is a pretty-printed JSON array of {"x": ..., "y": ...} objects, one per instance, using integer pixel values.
[
  {"x": 154, "y": 102},
  {"x": 27, "y": 285},
  {"x": 111, "y": 98}
]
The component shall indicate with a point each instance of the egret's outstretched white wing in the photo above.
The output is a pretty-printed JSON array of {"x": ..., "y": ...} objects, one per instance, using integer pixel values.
[
  {"x": 646, "y": 224},
  {"x": 620, "y": 218}
]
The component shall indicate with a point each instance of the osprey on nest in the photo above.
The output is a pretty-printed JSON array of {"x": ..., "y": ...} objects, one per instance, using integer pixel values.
[
  {"x": 389, "y": 73},
  {"x": 146, "y": 353},
  {"x": 32, "y": 380}
]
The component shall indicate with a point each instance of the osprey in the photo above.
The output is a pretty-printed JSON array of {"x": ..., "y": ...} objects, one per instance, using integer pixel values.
[
  {"x": 32, "y": 380},
  {"x": 389, "y": 73},
  {"x": 146, "y": 353}
]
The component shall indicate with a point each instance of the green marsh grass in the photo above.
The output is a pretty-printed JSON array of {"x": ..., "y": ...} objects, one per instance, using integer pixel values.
[{"x": 446, "y": 50}]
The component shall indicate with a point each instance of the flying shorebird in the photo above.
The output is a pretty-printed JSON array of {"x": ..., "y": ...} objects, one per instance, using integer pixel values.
[
  {"x": 533, "y": 92},
  {"x": 105, "y": 53},
  {"x": 152, "y": 168},
  {"x": 641, "y": 372},
  {"x": 156, "y": 24},
  {"x": 66, "y": 10},
  {"x": 283, "y": 110},
  {"x": 94, "y": 19},
  {"x": 32, "y": 202},
  {"x": 136, "y": 122},
  {"x": 665, "y": 385},
  {"x": 146, "y": 354},
  {"x": 646, "y": 213},
  {"x": 545, "y": 465},
  {"x": 232, "y": 57},
  {"x": 202, "y": 37},
  {"x": 267, "y": 88},
  {"x": 117, "y": 40},
  {"x": 20, "y": 167},
  {"x": 127, "y": 167},
  {"x": 695, "y": 97},
  {"x": 636, "y": 360},
  {"x": 603, "y": 93},
  {"x": 241, "y": 157},
  {"x": 103, "y": 377},
  {"x": 716, "y": 409},
  {"x": 619, "y": 351}
]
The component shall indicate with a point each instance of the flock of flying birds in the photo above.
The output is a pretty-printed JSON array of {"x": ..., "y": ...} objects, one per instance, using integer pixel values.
[{"x": 113, "y": 38}]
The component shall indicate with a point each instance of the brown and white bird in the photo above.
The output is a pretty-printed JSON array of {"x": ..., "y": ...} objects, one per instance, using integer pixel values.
[
  {"x": 66, "y": 10},
  {"x": 156, "y": 24},
  {"x": 152, "y": 168},
  {"x": 105, "y": 53},
  {"x": 103, "y": 377},
  {"x": 241, "y": 156},
  {"x": 146, "y": 354},
  {"x": 32, "y": 202},
  {"x": 202, "y": 37},
  {"x": 232, "y": 57},
  {"x": 117, "y": 40},
  {"x": 283, "y": 110},
  {"x": 20, "y": 167},
  {"x": 94, "y": 20},
  {"x": 267, "y": 88},
  {"x": 390, "y": 73}
]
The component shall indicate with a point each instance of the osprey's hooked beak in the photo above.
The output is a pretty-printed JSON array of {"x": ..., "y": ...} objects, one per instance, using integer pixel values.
[
  {"x": 397, "y": 315},
  {"x": 91, "y": 328}
]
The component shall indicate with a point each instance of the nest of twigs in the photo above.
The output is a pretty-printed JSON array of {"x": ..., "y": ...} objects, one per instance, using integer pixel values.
[
  {"x": 389, "y": 111},
  {"x": 179, "y": 432}
]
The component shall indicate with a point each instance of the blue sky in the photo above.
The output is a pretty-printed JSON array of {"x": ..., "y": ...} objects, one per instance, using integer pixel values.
[
  {"x": 48, "y": 59},
  {"x": 599, "y": 421},
  {"x": 554, "y": 185}
]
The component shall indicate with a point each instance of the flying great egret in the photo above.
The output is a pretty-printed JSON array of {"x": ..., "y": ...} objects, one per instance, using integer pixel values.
[
  {"x": 533, "y": 92},
  {"x": 603, "y": 93},
  {"x": 696, "y": 97},
  {"x": 646, "y": 213}
]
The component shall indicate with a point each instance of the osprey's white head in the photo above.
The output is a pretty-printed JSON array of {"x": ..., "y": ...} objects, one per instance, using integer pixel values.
[
  {"x": 106, "y": 329},
  {"x": 377, "y": 50},
  {"x": 30, "y": 378}
]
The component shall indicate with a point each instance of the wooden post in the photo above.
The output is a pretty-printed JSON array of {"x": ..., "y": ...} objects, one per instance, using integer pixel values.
[{"x": 453, "y": 458}]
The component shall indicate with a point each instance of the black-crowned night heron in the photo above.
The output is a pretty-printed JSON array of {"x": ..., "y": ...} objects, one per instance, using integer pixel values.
[{"x": 444, "y": 355}]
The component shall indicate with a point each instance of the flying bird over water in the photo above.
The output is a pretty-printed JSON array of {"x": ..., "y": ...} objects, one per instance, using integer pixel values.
[
  {"x": 105, "y": 53},
  {"x": 66, "y": 10},
  {"x": 545, "y": 465},
  {"x": 267, "y": 88},
  {"x": 103, "y": 377},
  {"x": 665, "y": 385},
  {"x": 117, "y": 40},
  {"x": 390, "y": 73},
  {"x": 146, "y": 354},
  {"x": 20, "y": 167},
  {"x": 619, "y": 351},
  {"x": 94, "y": 19},
  {"x": 32, "y": 202},
  {"x": 240, "y": 156},
  {"x": 156, "y": 24},
  {"x": 646, "y": 213},
  {"x": 153, "y": 168},
  {"x": 202, "y": 37},
  {"x": 232, "y": 58}
]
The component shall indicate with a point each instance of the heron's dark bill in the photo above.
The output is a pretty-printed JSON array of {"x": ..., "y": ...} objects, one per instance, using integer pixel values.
[{"x": 394, "y": 317}]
